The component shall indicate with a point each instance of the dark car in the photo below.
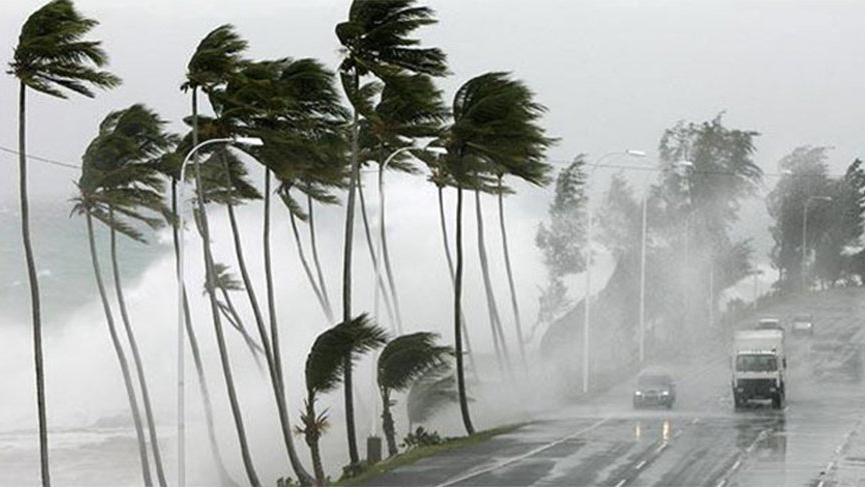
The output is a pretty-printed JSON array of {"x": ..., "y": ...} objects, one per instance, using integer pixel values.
[{"x": 655, "y": 389}]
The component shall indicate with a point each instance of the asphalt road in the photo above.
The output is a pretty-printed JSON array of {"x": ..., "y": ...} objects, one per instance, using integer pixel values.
[{"x": 815, "y": 441}]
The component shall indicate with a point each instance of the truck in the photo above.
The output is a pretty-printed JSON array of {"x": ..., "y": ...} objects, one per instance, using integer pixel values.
[{"x": 758, "y": 364}]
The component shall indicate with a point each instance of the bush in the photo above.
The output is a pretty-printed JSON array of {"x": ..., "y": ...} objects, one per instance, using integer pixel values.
[{"x": 421, "y": 437}]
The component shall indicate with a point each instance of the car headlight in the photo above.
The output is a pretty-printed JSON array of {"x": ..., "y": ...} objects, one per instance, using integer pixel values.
[
  {"x": 638, "y": 393},
  {"x": 665, "y": 393}
]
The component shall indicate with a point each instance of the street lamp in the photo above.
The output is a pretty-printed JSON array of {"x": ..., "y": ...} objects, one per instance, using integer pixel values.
[
  {"x": 588, "y": 284},
  {"x": 181, "y": 286},
  {"x": 805, "y": 233}
]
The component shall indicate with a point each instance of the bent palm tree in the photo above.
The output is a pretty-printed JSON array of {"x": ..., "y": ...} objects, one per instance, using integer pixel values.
[
  {"x": 514, "y": 303},
  {"x": 51, "y": 57},
  {"x": 215, "y": 59},
  {"x": 376, "y": 39},
  {"x": 494, "y": 126},
  {"x": 225, "y": 284},
  {"x": 402, "y": 362},
  {"x": 325, "y": 370}
]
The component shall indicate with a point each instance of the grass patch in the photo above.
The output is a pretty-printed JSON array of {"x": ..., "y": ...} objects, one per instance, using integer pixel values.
[{"x": 415, "y": 454}]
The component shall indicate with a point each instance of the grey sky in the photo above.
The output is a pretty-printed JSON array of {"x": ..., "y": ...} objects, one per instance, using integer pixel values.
[{"x": 614, "y": 74}]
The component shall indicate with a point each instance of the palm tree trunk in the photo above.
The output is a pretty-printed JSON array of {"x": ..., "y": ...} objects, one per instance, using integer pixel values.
[
  {"x": 214, "y": 312},
  {"x": 458, "y": 342},
  {"x": 444, "y": 227},
  {"x": 492, "y": 307},
  {"x": 325, "y": 306},
  {"x": 312, "y": 434},
  {"x": 233, "y": 317},
  {"x": 346, "y": 281},
  {"x": 385, "y": 254},
  {"x": 225, "y": 478},
  {"x": 322, "y": 286},
  {"x": 270, "y": 352},
  {"x": 379, "y": 281},
  {"x": 136, "y": 358},
  {"x": 274, "y": 335},
  {"x": 121, "y": 357},
  {"x": 387, "y": 425},
  {"x": 514, "y": 303},
  {"x": 33, "y": 279}
]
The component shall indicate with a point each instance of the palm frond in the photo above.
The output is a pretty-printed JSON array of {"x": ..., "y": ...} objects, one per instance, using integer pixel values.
[
  {"x": 324, "y": 364},
  {"x": 217, "y": 55},
  {"x": 407, "y": 357}
]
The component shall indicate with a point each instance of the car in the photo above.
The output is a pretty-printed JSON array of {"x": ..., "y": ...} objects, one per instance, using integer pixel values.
[
  {"x": 802, "y": 325},
  {"x": 654, "y": 388},
  {"x": 769, "y": 324}
]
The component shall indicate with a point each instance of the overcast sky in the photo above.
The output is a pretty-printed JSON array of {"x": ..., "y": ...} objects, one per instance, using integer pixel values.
[{"x": 614, "y": 74}]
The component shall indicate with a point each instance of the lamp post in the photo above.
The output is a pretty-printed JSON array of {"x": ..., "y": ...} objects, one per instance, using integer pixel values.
[
  {"x": 181, "y": 285},
  {"x": 588, "y": 292},
  {"x": 805, "y": 234}
]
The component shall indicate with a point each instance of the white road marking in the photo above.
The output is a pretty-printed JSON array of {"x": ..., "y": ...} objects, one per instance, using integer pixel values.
[
  {"x": 661, "y": 448},
  {"x": 641, "y": 465},
  {"x": 722, "y": 483},
  {"x": 621, "y": 482},
  {"x": 512, "y": 460},
  {"x": 736, "y": 465}
]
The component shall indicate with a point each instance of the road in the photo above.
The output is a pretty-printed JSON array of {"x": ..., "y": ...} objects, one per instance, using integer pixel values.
[{"x": 817, "y": 440}]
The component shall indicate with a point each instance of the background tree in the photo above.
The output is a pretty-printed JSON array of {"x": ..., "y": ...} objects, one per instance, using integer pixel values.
[
  {"x": 377, "y": 41},
  {"x": 403, "y": 361},
  {"x": 52, "y": 57},
  {"x": 325, "y": 370}
]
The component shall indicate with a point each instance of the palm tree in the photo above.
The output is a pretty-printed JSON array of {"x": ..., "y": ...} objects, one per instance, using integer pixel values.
[
  {"x": 226, "y": 283},
  {"x": 119, "y": 163},
  {"x": 500, "y": 191},
  {"x": 325, "y": 370},
  {"x": 494, "y": 127},
  {"x": 402, "y": 361},
  {"x": 216, "y": 57},
  {"x": 53, "y": 58},
  {"x": 377, "y": 41}
]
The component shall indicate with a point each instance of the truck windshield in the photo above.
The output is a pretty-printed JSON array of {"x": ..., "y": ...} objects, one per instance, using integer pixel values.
[{"x": 756, "y": 363}]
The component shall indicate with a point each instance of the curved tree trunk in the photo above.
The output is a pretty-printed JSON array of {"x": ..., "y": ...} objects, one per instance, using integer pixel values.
[
  {"x": 136, "y": 358},
  {"x": 33, "y": 280},
  {"x": 325, "y": 306},
  {"x": 379, "y": 280},
  {"x": 293, "y": 458},
  {"x": 458, "y": 342},
  {"x": 233, "y": 317},
  {"x": 322, "y": 285},
  {"x": 225, "y": 478},
  {"x": 387, "y": 425},
  {"x": 514, "y": 304},
  {"x": 271, "y": 353},
  {"x": 311, "y": 435},
  {"x": 492, "y": 308},
  {"x": 444, "y": 228},
  {"x": 354, "y": 176},
  {"x": 214, "y": 312},
  {"x": 385, "y": 254},
  {"x": 121, "y": 357}
]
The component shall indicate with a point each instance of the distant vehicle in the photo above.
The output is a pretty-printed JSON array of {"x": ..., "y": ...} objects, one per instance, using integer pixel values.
[
  {"x": 802, "y": 325},
  {"x": 655, "y": 388},
  {"x": 758, "y": 364},
  {"x": 769, "y": 324}
]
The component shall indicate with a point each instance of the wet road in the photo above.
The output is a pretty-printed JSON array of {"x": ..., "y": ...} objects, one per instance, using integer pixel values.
[{"x": 815, "y": 441}]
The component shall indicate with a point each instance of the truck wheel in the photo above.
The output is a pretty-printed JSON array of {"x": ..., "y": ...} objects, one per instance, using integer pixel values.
[
  {"x": 777, "y": 400},
  {"x": 737, "y": 402}
]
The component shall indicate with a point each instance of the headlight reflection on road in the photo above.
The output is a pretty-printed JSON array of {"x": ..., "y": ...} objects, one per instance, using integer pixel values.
[
  {"x": 665, "y": 431},
  {"x": 638, "y": 431}
]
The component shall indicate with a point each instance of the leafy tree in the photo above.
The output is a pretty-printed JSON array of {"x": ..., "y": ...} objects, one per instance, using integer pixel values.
[
  {"x": 494, "y": 130},
  {"x": 52, "y": 57},
  {"x": 215, "y": 59},
  {"x": 377, "y": 41},
  {"x": 325, "y": 371},
  {"x": 402, "y": 362}
]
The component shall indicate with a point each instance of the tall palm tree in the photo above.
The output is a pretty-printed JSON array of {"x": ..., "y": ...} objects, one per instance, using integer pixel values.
[
  {"x": 500, "y": 192},
  {"x": 226, "y": 283},
  {"x": 120, "y": 163},
  {"x": 377, "y": 41},
  {"x": 215, "y": 59},
  {"x": 495, "y": 127},
  {"x": 52, "y": 57},
  {"x": 325, "y": 370},
  {"x": 404, "y": 360}
]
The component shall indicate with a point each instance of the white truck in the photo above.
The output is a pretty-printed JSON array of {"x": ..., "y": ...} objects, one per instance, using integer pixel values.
[{"x": 758, "y": 364}]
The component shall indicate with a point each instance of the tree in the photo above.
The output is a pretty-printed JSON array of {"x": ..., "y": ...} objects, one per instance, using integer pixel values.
[
  {"x": 403, "y": 361},
  {"x": 325, "y": 370},
  {"x": 215, "y": 58},
  {"x": 227, "y": 283},
  {"x": 494, "y": 130},
  {"x": 377, "y": 41},
  {"x": 123, "y": 185},
  {"x": 52, "y": 57}
]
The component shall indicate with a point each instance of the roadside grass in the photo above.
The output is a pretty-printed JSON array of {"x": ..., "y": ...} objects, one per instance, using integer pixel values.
[{"x": 411, "y": 456}]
